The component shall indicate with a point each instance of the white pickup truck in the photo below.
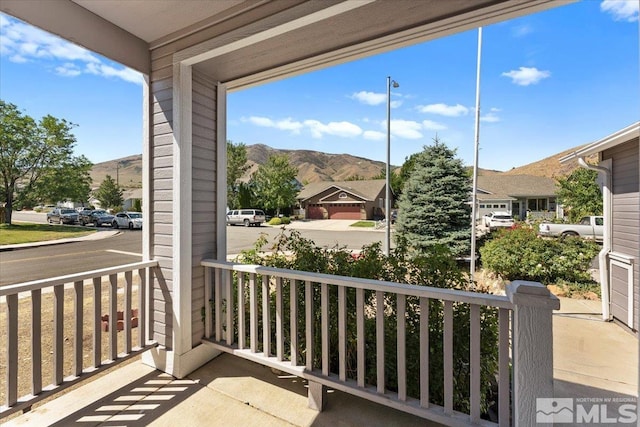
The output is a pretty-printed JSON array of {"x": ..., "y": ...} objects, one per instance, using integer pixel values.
[{"x": 589, "y": 227}]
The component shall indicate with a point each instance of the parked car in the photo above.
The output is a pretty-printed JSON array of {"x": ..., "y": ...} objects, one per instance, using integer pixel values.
[
  {"x": 62, "y": 216},
  {"x": 246, "y": 217},
  {"x": 498, "y": 220},
  {"x": 589, "y": 227},
  {"x": 128, "y": 220},
  {"x": 97, "y": 217}
]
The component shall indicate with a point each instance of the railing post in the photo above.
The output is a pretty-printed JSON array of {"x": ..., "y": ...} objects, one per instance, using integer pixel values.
[{"x": 532, "y": 347}]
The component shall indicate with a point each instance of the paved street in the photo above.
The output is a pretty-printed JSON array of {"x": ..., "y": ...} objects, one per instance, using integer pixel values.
[{"x": 21, "y": 265}]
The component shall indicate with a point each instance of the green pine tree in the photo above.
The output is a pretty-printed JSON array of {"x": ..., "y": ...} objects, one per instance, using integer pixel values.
[
  {"x": 433, "y": 207},
  {"x": 109, "y": 194}
]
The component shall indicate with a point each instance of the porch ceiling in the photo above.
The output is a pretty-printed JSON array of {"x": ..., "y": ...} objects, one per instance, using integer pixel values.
[{"x": 244, "y": 42}]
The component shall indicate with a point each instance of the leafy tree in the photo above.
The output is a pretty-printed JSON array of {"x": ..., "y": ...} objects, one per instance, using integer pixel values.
[
  {"x": 36, "y": 160},
  {"x": 434, "y": 207},
  {"x": 109, "y": 194},
  {"x": 396, "y": 183},
  {"x": 580, "y": 194},
  {"x": 275, "y": 183},
  {"x": 236, "y": 167}
]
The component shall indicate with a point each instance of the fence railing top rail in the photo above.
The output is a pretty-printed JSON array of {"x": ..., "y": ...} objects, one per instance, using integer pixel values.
[
  {"x": 469, "y": 297},
  {"x": 60, "y": 280}
]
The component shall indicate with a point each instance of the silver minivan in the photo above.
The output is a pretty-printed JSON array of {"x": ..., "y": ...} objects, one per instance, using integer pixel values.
[{"x": 246, "y": 217}]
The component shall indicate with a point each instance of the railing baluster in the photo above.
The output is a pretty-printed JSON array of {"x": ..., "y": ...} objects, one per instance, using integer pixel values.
[
  {"x": 279, "y": 321},
  {"x": 126, "y": 312},
  {"x": 217, "y": 297},
  {"x": 474, "y": 360},
  {"x": 230, "y": 306},
  {"x": 401, "y": 347},
  {"x": 12, "y": 349},
  {"x": 424, "y": 352},
  {"x": 58, "y": 334},
  {"x": 253, "y": 313},
  {"x": 324, "y": 316},
  {"x": 293, "y": 320},
  {"x": 360, "y": 336},
  {"x": 78, "y": 306},
  {"x": 142, "y": 307},
  {"x": 241, "y": 312},
  {"x": 97, "y": 321},
  {"x": 380, "y": 341},
  {"x": 266, "y": 317},
  {"x": 36, "y": 341},
  {"x": 342, "y": 332},
  {"x": 448, "y": 357},
  {"x": 207, "y": 302},
  {"x": 308, "y": 323},
  {"x": 113, "y": 316},
  {"x": 504, "y": 410}
]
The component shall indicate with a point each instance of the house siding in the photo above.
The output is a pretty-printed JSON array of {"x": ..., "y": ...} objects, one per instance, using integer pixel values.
[
  {"x": 203, "y": 205},
  {"x": 626, "y": 221},
  {"x": 161, "y": 88}
]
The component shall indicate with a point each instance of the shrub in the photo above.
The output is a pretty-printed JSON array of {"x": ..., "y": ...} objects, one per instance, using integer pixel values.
[
  {"x": 275, "y": 221},
  {"x": 435, "y": 267},
  {"x": 519, "y": 254}
]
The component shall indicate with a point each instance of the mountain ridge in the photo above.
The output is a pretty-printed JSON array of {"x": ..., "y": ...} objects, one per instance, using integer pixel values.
[{"x": 315, "y": 166}]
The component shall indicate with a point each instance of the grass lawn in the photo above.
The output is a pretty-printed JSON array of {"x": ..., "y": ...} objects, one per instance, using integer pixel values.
[
  {"x": 28, "y": 232},
  {"x": 363, "y": 224}
]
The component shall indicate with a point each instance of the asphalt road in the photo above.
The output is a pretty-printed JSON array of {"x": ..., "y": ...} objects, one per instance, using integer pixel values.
[{"x": 24, "y": 265}]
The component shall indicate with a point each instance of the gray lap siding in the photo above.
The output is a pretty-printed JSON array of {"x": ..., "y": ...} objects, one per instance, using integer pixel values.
[{"x": 626, "y": 218}]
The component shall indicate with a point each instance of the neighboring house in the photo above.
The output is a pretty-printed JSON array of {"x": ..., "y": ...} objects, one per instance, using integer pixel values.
[
  {"x": 619, "y": 175},
  {"x": 130, "y": 197},
  {"x": 524, "y": 196},
  {"x": 343, "y": 200}
]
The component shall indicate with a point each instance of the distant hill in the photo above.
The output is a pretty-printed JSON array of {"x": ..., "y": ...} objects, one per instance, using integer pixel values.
[
  {"x": 315, "y": 166},
  {"x": 550, "y": 167}
]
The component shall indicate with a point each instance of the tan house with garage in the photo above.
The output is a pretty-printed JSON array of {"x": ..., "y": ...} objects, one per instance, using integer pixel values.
[
  {"x": 524, "y": 196},
  {"x": 343, "y": 200},
  {"x": 618, "y": 170}
]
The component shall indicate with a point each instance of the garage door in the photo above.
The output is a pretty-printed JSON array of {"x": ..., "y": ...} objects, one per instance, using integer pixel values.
[
  {"x": 315, "y": 212},
  {"x": 344, "y": 212}
]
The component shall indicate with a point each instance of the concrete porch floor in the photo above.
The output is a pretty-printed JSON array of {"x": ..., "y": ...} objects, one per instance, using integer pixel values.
[
  {"x": 227, "y": 391},
  {"x": 592, "y": 359}
]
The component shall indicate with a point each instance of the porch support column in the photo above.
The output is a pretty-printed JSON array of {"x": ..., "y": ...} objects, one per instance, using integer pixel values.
[
  {"x": 182, "y": 202},
  {"x": 532, "y": 347},
  {"x": 221, "y": 173}
]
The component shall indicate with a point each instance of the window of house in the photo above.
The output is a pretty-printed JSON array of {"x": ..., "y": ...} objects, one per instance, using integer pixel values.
[
  {"x": 537, "y": 204},
  {"x": 481, "y": 206},
  {"x": 503, "y": 206},
  {"x": 342, "y": 195}
]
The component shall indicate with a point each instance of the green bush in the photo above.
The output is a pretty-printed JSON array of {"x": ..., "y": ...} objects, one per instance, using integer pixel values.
[
  {"x": 434, "y": 267},
  {"x": 275, "y": 221},
  {"x": 519, "y": 254}
]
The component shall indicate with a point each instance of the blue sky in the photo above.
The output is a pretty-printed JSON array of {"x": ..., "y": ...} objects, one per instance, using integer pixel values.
[{"x": 549, "y": 81}]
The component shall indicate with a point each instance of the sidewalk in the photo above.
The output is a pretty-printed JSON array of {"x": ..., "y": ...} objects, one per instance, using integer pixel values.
[
  {"x": 593, "y": 359},
  {"x": 328, "y": 224}
]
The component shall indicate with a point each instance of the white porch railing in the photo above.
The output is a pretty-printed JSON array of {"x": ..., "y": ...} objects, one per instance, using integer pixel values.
[
  {"x": 52, "y": 333},
  {"x": 267, "y": 343}
]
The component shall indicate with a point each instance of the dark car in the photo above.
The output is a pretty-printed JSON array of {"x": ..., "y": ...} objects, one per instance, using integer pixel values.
[
  {"x": 98, "y": 217},
  {"x": 62, "y": 216}
]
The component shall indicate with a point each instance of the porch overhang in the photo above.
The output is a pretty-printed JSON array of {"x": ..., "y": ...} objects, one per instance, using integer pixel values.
[{"x": 247, "y": 42}]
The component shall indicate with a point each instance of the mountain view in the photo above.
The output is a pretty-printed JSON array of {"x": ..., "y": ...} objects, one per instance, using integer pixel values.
[{"x": 315, "y": 166}]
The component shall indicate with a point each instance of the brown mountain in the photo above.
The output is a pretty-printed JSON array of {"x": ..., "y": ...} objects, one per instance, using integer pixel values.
[{"x": 314, "y": 166}]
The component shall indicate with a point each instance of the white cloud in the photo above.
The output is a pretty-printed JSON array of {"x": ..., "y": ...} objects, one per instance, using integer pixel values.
[
  {"x": 407, "y": 129},
  {"x": 23, "y": 43},
  {"x": 342, "y": 129},
  {"x": 369, "y": 98},
  {"x": 444, "y": 109},
  {"x": 396, "y": 104},
  {"x": 374, "y": 135},
  {"x": 431, "y": 125},
  {"x": 622, "y": 10},
  {"x": 526, "y": 76},
  {"x": 490, "y": 118},
  {"x": 286, "y": 124},
  {"x": 522, "y": 30}
]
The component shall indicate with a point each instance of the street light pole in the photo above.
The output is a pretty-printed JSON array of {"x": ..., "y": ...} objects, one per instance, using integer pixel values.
[{"x": 387, "y": 207}]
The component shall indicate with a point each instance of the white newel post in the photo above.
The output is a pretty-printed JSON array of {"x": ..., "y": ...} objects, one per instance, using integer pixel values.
[{"x": 532, "y": 347}]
